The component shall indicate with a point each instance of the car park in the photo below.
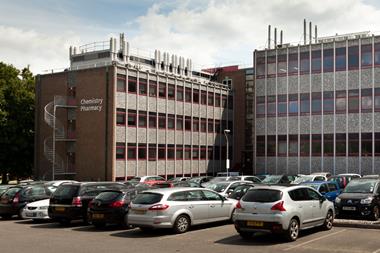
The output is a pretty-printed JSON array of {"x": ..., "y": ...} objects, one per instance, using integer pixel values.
[
  {"x": 329, "y": 189},
  {"x": 278, "y": 179},
  {"x": 178, "y": 208},
  {"x": 253, "y": 179},
  {"x": 280, "y": 209},
  {"x": 360, "y": 198},
  {"x": 240, "y": 191},
  {"x": 148, "y": 180},
  {"x": 309, "y": 178},
  {"x": 225, "y": 188}
]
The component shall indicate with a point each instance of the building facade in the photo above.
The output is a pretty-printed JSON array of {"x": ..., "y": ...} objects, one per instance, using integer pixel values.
[
  {"x": 114, "y": 115},
  {"x": 317, "y": 106}
]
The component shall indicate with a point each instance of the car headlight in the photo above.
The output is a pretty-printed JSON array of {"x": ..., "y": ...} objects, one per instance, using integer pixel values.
[
  {"x": 337, "y": 200},
  {"x": 366, "y": 200},
  {"x": 43, "y": 207}
]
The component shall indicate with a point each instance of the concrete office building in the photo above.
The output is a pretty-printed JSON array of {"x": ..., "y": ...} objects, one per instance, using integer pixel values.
[
  {"x": 317, "y": 105},
  {"x": 114, "y": 114}
]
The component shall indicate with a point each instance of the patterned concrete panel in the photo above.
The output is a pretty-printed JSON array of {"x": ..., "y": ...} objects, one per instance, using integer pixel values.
[
  {"x": 271, "y": 165},
  {"x": 132, "y": 169},
  {"x": 178, "y": 168},
  {"x": 353, "y": 79},
  {"x": 161, "y": 106},
  {"x": 179, "y": 108},
  {"x": 218, "y": 113},
  {"x": 293, "y": 125},
  {"x": 316, "y": 164},
  {"x": 340, "y": 165},
  {"x": 132, "y": 102},
  {"x": 178, "y": 137},
  {"x": 260, "y": 165},
  {"x": 305, "y": 165},
  {"x": 187, "y": 138},
  {"x": 340, "y": 80},
  {"x": 328, "y": 164},
  {"x": 281, "y": 165},
  {"x": 260, "y": 126},
  {"x": 271, "y": 126},
  {"x": 377, "y": 77},
  {"x": 120, "y": 134},
  {"x": 131, "y": 135},
  {"x": 328, "y": 45},
  {"x": 202, "y": 139},
  {"x": 187, "y": 167},
  {"x": 161, "y": 136},
  {"x": 304, "y": 124},
  {"x": 260, "y": 87},
  {"x": 142, "y": 103},
  {"x": 377, "y": 122},
  {"x": 171, "y": 107},
  {"x": 161, "y": 167},
  {"x": 195, "y": 138},
  {"x": 353, "y": 123},
  {"x": 152, "y": 136},
  {"x": 211, "y": 139},
  {"x": 366, "y": 122},
  {"x": 366, "y": 78},
  {"x": 282, "y": 125},
  {"x": 195, "y": 110},
  {"x": 316, "y": 124},
  {"x": 353, "y": 165},
  {"x": 120, "y": 100},
  {"x": 281, "y": 85},
  {"x": 271, "y": 86},
  {"x": 293, "y": 84},
  {"x": 202, "y": 167},
  {"x": 328, "y": 123},
  {"x": 353, "y": 43},
  {"x": 316, "y": 83},
  {"x": 340, "y": 123},
  {"x": 187, "y": 109},
  {"x": 170, "y": 167},
  {"x": 142, "y": 168},
  {"x": 377, "y": 166},
  {"x": 141, "y": 135},
  {"x": 120, "y": 168},
  {"x": 170, "y": 137},
  {"x": 366, "y": 168},
  {"x": 210, "y": 112},
  {"x": 293, "y": 165},
  {"x": 304, "y": 83},
  {"x": 152, "y": 104},
  {"x": 152, "y": 168},
  {"x": 328, "y": 81},
  {"x": 203, "y": 111}
]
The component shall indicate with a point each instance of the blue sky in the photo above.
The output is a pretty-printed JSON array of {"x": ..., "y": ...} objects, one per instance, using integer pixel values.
[{"x": 211, "y": 32}]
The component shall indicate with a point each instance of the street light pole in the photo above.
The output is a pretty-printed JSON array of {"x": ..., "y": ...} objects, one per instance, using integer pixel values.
[{"x": 227, "y": 131}]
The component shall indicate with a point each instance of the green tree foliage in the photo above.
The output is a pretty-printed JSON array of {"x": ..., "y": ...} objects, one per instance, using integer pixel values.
[{"x": 16, "y": 121}]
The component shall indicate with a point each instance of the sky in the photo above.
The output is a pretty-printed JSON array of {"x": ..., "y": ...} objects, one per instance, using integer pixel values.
[{"x": 213, "y": 33}]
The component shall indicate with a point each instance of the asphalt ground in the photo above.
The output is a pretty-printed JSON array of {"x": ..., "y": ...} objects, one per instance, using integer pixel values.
[{"x": 27, "y": 236}]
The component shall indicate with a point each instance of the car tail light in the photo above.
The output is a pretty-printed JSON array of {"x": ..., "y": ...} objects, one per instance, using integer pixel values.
[
  {"x": 238, "y": 205},
  {"x": 77, "y": 202},
  {"x": 117, "y": 204},
  {"x": 158, "y": 207},
  {"x": 279, "y": 206},
  {"x": 16, "y": 198}
]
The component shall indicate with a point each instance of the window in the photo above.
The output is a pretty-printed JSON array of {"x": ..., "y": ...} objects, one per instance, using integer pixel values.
[
  {"x": 271, "y": 106},
  {"x": 282, "y": 145},
  {"x": 195, "y": 154},
  {"x": 366, "y": 56},
  {"x": 260, "y": 67},
  {"x": 171, "y": 121},
  {"x": 340, "y": 101},
  {"x": 120, "y": 84},
  {"x": 210, "y": 125},
  {"x": 305, "y": 103},
  {"x": 217, "y": 100},
  {"x": 271, "y": 145},
  {"x": 132, "y": 120},
  {"x": 142, "y": 119},
  {"x": 281, "y": 65},
  {"x": 142, "y": 152},
  {"x": 203, "y": 125},
  {"x": 132, "y": 84},
  {"x": 161, "y": 120},
  {"x": 366, "y": 100},
  {"x": 152, "y": 120},
  {"x": 316, "y": 145},
  {"x": 120, "y": 150},
  {"x": 161, "y": 152},
  {"x": 204, "y": 97},
  {"x": 217, "y": 126},
  {"x": 203, "y": 153},
  {"x": 210, "y": 154},
  {"x": 366, "y": 144},
  {"x": 282, "y": 105},
  {"x": 152, "y": 152},
  {"x": 293, "y": 145},
  {"x": 328, "y": 102},
  {"x": 143, "y": 87},
  {"x": 316, "y": 104},
  {"x": 377, "y": 144},
  {"x": 260, "y": 107},
  {"x": 377, "y": 99},
  {"x": 120, "y": 117},
  {"x": 304, "y": 145},
  {"x": 316, "y": 61},
  {"x": 353, "y": 57},
  {"x": 131, "y": 151},
  {"x": 162, "y": 90},
  {"x": 353, "y": 101},
  {"x": 153, "y": 89},
  {"x": 188, "y": 123},
  {"x": 195, "y": 96},
  {"x": 171, "y": 91},
  {"x": 328, "y": 145},
  {"x": 171, "y": 152},
  {"x": 179, "y": 93},
  {"x": 195, "y": 124},
  {"x": 188, "y": 95},
  {"x": 179, "y": 152},
  {"x": 377, "y": 54},
  {"x": 179, "y": 122},
  {"x": 187, "y": 152},
  {"x": 332, "y": 187},
  {"x": 328, "y": 60},
  {"x": 293, "y": 64},
  {"x": 353, "y": 144},
  {"x": 224, "y": 101},
  {"x": 293, "y": 104},
  {"x": 340, "y": 144},
  {"x": 210, "y": 98},
  {"x": 340, "y": 60},
  {"x": 305, "y": 63},
  {"x": 271, "y": 66},
  {"x": 260, "y": 145}
]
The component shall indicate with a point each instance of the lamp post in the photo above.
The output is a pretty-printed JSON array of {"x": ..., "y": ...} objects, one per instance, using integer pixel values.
[{"x": 227, "y": 131}]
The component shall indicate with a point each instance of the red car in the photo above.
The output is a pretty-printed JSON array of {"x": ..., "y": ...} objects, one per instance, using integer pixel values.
[{"x": 150, "y": 180}]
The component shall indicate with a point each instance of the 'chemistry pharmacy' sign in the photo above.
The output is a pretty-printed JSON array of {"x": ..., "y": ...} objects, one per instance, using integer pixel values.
[{"x": 90, "y": 105}]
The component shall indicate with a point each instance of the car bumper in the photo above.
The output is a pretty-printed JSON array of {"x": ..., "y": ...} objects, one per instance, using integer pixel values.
[
  {"x": 68, "y": 213},
  {"x": 267, "y": 223},
  {"x": 35, "y": 214},
  {"x": 360, "y": 210},
  {"x": 110, "y": 217},
  {"x": 149, "y": 221},
  {"x": 10, "y": 209}
]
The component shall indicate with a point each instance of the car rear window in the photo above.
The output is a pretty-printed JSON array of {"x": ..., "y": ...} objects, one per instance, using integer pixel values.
[
  {"x": 147, "y": 198},
  {"x": 93, "y": 190},
  {"x": 66, "y": 191},
  {"x": 36, "y": 190},
  {"x": 262, "y": 195},
  {"x": 108, "y": 196}
]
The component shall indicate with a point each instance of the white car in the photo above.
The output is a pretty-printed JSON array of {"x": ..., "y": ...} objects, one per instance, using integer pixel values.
[
  {"x": 245, "y": 178},
  {"x": 309, "y": 178},
  {"x": 36, "y": 210},
  {"x": 225, "y": 188},
  {"x": 280, "y": 209}
]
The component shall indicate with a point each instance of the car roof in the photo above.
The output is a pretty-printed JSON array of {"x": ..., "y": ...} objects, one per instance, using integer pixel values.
[
  {"x": 281, "y": 187},
  {"x": 175, "y": 189}
]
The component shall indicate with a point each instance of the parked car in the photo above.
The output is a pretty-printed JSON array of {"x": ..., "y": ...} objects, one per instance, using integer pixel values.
[
  {"x": 148, "y": 179},
  {"x": 329, "y": 189},
  {"x": 70, "y": 201},
  {"x": 229, "y": 174},
  {"x": 227, "y": 187},
  {"x": 178, "y": 208},
  {"x": 213, "y": 181},
  {"x": 178, "y": 179},
  {"x": 326, "y": 174},
  {"x": 186, "y": 184},
  {"x": 360, "y": 198},
  {"x": 280, "y": 209},
  {"x": 201, "y": 180},
  {"x": 245, "y": 178},
  {"x": 309, "y": 178},
  {"x": 3, "y": 188},
  {"x": 343, "y": 179},
  {"x": 278, "y": 179},
  {"x": 240, "y": 190}
]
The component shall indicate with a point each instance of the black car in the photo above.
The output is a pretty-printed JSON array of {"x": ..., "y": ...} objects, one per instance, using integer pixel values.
[
  {"x": 240, "y": 191},
  {"x": 70, "y": 200},
  {"x": 14, "y": 199},
  {"x": 360, "y": 198}
]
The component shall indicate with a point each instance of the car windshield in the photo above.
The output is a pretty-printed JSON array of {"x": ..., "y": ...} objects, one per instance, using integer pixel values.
[
  {"x": 302, "y": 179},
  {"x": 67, "y": 191},
  {"x": 108, "y": 196},
  {"x": 219, "y": 187},
  {"x": 360, "y": 186},
  {"x": 272, "y": 179},
  {"x": 262, "y": 195},
  {"x": 147, "y": 198}
]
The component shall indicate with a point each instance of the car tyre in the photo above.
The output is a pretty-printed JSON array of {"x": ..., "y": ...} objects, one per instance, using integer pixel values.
[
  {"x": 181, "y": 224},
  {"x": 375, "y": 213},
  {"x": 329, "y": 220},
  {"x": 232, "y": 216},
  {"x": 246, "y": 235},
  {"x": 293, "y": 230}
]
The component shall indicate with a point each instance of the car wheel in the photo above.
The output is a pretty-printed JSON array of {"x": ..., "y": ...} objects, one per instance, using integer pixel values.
[
  {"x": 181, "y": 224},
  {"x": 232, "y": 216},
  {"x": 293, "y": 230},
  {"x": 375, "y": 213},
  {"x": 19, "y": 213},
  {"x": 246, "y": 235},
  {"x": 328, "y": 224}
]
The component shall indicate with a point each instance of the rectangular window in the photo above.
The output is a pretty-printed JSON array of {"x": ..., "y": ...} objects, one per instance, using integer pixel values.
[
  {"x": 377, "y": 144},
  {"x": 282, "y": 105},
  {"x": 120, "y": 150},
  {"x": 271, "y": 66},
  {"x": 142, "y": 119},
  {"x": 282, "y": 65},
  {"x": 353, "y": 101},
  {"x": 293, "y": 145},
  {"x": 377, "y": 100},
  {"x": 328, "y": 102},
  {"x": 366, "y": 56},
  {"x": 120, "y": 84},
  {"x": 340, "y": 60},
  {"x": 328, "y": 145},
  {"x": 152, "y": 120},
  {"x": 316, "y": 148},
  {"x": 340, "y": 144},
  {"x": 195, "y": 124},
  {"x": 217, "y": 126},
  {"x": 120, "y": 117},
  {"x": 161, "y": 121},
  {"x": 353, "y": 144},
  {"x": 161, "y": 152},
  {"x": 171, "y": 92},
  {"x": 171, "y": 152},
  {"x": 132, "y": 118},
  {"x": 187, "y": 152},
  {"x": 132, "y": 84},
  {"x": 210, "y": 154},
  {"x": 204, "y": 97},
  {"x": 316, "y": 61},
  {"x": 366, "y": 144},
  {"x": 304, "y": 145},
  {"x": 143, "y": 87},
  {"x": 271, "y": 106},
  {"x": 210, "y": 99},
  {"x": 293, "y": 64},
  {"x": 179, "y": 152},
  {"x": 217, "y": 100},
  {"x": 179, "y": 93},
  {"x": 305, "y": 63},
  {"x": 188, "y": 95},
  {"x": 203, "y": 125},
  {"x": 260, "y": 67},
  {"x": 179, "y": 122},
  {"x": 153, "y": 89},
  {"x": 152, "y": 152},
  {"x": 293, "y": 104},
  {"x": 367, "y": 100},
  {"x": 142, "y": 152},
  {"x": 171, "y": 121},
  {"x": 281, "y": 145},
  {"x": 131, "y": 151},
  {"x": 210, "y": 125},
  {"x": 305, "y": 103},
  {"x": 316, "y": 103},
  {"x": 328, "y": 60},
  {"x": 162, "y": 90},
  {"x": 195, "y": 154},
  {"x": 353, "y": 57},
  {"x": 188, "y": 123},
  {"x": 260, "y": 107},
  {"x": 271, "y": 145},
  {"x": 340, "y": 102},
  {"x": 195, "y": 96},
  {"x": 377, "y": 54}
]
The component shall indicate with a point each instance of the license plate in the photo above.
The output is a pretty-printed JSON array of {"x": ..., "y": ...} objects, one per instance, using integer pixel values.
[
  {"x": 252, "y": 223},
  {"x": 60, "y": 209},
  {"x": 349, "y": 208},
  {"x": 30, "y": 214},
  {"x": 139, "y": 211},
  {"x": 98, "y": 216}
]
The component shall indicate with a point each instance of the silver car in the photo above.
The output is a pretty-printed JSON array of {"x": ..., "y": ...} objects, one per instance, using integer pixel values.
[
  {"x": 280, "y": 209},
  {"x": 178, "y": 208}
]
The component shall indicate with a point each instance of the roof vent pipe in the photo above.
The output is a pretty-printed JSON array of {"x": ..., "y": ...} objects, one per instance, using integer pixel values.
[
  {"x": 310, "y": 33},
  {"x": 304, "y": 31},
  {"x": 268, "y": 36},
  {"x": 281, "y": 37},
  {"x": 316, "y": 34},
  {"x": 275, "y": 37}
]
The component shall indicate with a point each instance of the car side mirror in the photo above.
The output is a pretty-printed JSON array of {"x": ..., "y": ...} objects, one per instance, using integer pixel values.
[{"x": 322, "y": 199}]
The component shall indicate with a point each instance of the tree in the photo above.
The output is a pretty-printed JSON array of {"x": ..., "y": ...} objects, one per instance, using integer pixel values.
[{"x": 16, "y": 121}]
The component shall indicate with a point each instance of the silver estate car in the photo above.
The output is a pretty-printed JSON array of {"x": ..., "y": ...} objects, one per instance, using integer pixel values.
[
  {"x": 178, "y": 208},
  {"x": 280, "y": 209}
]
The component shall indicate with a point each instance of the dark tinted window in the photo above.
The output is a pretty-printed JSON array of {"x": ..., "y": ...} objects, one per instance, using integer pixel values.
[
  {"x": 67, "y": 191},
  {"x": 147, "y": 198},
  {"x": 323, "y": 189},
  {"x": 11, "y": 192},
  {"x": 239, "y": 191},
  {"x": 178, "y": 196},
  {"x": 211, "y": 195},
  {"x": 33, "y": 191},
  {"x": 262, "y": 195},
  {"x": 332, "y": 187},
  {"x": 361, "y": 186},
  {"x": 312, "y": 195},
  {"x": 108, "y": 196},
  {"x": 194, "y": 195},
  {"x": 298, "y": 195}
]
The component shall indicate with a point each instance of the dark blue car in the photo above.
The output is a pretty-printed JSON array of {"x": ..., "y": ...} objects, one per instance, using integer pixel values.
[{"x": 329, "y": 189}]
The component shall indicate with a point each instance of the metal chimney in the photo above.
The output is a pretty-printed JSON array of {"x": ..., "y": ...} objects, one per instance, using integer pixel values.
[
  {"x": 316, "y": 34},
  {"x": 281, "y": 38},
  {"x": 310, "y": 33},
  {"x": 275, "y": 37},
  {"x": 268, "y": 36},
  {"x": 304, "y": 31}
]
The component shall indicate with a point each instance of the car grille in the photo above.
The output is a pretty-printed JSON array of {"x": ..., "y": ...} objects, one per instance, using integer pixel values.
[
  {"x": 351, "y": 201},
  {"x": 32, "y": 208}
]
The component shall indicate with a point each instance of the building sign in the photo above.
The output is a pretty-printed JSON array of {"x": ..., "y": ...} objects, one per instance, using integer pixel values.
[{"x": 90, "y": 105}]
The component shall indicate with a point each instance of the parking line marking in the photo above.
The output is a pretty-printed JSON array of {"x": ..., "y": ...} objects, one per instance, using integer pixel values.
[{"x": 316, "y": 239}]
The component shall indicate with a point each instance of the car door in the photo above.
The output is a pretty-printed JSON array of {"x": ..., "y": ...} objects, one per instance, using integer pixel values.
[
  {"x": 333, "y": 191},
  {"x": 303, "y": 205},
  {"x": 219, "y": 209},
  {"x": 318, "y": 210},
  {"x": 195, "y": 203}
]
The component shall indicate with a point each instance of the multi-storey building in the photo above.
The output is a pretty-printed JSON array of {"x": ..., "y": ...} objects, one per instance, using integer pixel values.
[
  {"x": 317, "y": 106},
  {"x": 113, "y": 115}
]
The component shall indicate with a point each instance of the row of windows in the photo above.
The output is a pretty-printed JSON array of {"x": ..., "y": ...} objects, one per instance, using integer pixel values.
[
  {"x": 172, "y": 92},
  {"x": 170, "y": 121},
  {"x": 345, "y": 58},
  {"x": 318, "y": 102},
  {"x": 291, "y": 145},
  {"x": 153, "y": 152}
]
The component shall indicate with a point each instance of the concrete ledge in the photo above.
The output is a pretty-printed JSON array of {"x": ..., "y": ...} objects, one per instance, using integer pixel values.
[{"x": 357, "y": 223}]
